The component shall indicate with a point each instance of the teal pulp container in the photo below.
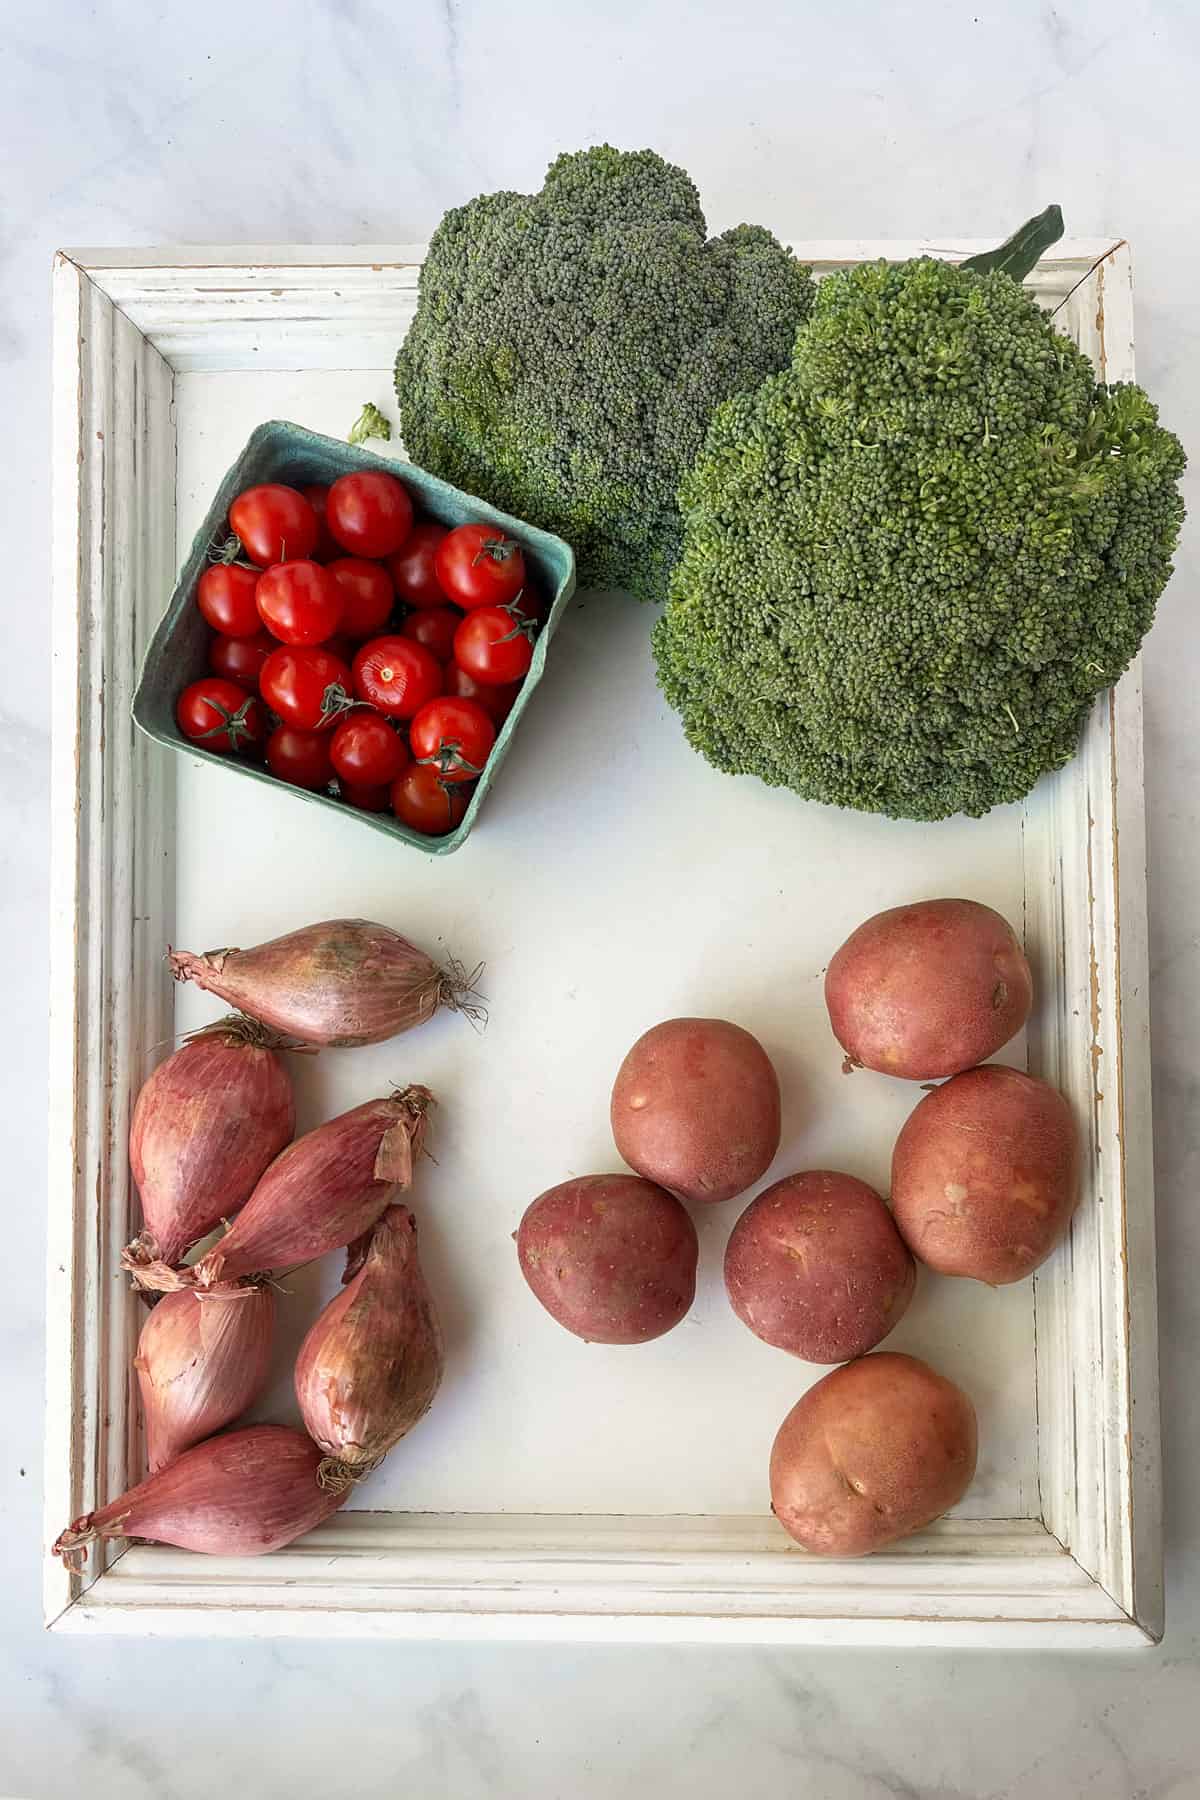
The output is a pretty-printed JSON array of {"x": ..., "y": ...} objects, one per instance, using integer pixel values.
[{"x": 178, "y": 652}]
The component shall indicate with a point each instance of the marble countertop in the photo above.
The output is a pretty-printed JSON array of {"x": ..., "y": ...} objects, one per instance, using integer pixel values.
[{"x": 340, "y": 121}]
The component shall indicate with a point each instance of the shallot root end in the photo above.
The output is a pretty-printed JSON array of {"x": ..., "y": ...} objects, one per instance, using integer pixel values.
[
  {"x": 458, "y": 990},
  {"x": 335, "y": 1476},
  {"x": 150, "y": 1273},
  {"x": 72, "y": 1543},
  {"x": 238, "y": 1028}
]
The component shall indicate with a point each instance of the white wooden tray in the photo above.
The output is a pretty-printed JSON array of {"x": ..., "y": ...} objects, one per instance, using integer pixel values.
[{"x": 560, "y": 1489}]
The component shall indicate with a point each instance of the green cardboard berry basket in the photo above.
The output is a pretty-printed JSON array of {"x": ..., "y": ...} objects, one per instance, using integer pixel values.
[{"x": 178, "y": 652}]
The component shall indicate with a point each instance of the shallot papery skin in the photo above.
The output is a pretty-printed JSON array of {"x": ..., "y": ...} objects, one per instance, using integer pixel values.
[
  {"x": 336, "y": 984},
  {"x": 201, "y": 1360},
  {"x": 205, "y": 1126},
  {"x": 371, "y": 1364},
  {"x": 325, "y": 1190},
  {"x": 243, "y": 1494}
]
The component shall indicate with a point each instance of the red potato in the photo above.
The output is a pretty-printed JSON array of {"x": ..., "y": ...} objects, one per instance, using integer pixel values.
[
  {"x": 611, "y": 1257},
  {"x": 927, "y": 990},
  {"x": 815, "y": 1266},
  {"x": 985, "y": 1175},
  {"x": 876, "y": 1450},
  {"x": 695, "y": 1107}
]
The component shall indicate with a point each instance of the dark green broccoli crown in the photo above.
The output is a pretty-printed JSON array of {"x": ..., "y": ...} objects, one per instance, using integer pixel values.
[
  {"x": 912, "y": 559},
  {"x": 571, "y": 346}
]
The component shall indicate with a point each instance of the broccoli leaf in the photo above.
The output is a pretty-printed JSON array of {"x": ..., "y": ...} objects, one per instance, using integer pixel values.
[{"x": 1020, "y": 253}]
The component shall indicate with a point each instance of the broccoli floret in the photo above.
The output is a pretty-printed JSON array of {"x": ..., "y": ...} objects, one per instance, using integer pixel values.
[
  {"x": 570, "y": 347},
  {"x": 913, "y": 558}
]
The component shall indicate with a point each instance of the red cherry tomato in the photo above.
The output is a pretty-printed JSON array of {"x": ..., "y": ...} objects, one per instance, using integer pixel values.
[
  {"x": 301, "y": 757},
  {"x": 325, "y": 549},
  {"x": 433, "y": 626},
  {"x": 396, "y": 676},
  {"x": 369, "y": 512},
  {"x": 225, "y": 595},
  {"x": 367, "y": 595},
  {"x": 425, "y": 801},
  {"x": 493, "y": 646},
  {"x": 497, "y": 702},
  {"x": 273, "y": 524},
  {"x": 299, "y": 602},
  {"x": 340, "y": 646},
  {"x": 455, "y": 736},
  {"x": 367, "y": 799},
  {"x": 220, "y": 715},
  {"x": 477, "y": 565},
  {"x": 241, "y": 659},
  {"x": 530, "y": 603},
  {"x": 367, "y": 751},
  {"x": 411, "y": 567},
  {"x": 307, "y": 687}
]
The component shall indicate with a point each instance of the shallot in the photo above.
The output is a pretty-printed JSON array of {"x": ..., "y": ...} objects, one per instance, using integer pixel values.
[
  {"x": 205, "y": 1126},
  {"x": 337, "y": 984},
  {"x": 243, "y": 1494},
  {"x": 201, "y": 1360},
  {"x": 325, "y": 1190},
  {"x": 370, "y": 1366}
]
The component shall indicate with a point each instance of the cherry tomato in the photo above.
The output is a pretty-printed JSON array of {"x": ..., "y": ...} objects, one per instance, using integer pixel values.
[
  {"x": 477, "y": 565},
  {"x": 493, "y": 646},
  {"x": 325, "y": 549},
  {"x": 301, "y": 757},
  {"x": 367, "y": 799},
  {"x": 454, "y": 736},
  {"x": 411, "y": 568},
  {"x": 273, "y": 524},
  {"x": 396, "y": 675},
  {"x": 367, "y": 751},
  {"x": 339, "y": 645},
  {"x": 225, "y": 596},
  {"x": 497, "y": 702},
  {"x": 367, "y": 595},
  {"x": 299, "y": 602},
  {"x": 369, "y": 512},
  {"x": 220, "y": 715},
  {"x": 530, "y": 602},
  {"x": 427, "y": 801},
  {"x": 241, "y": 658},
  {"x": 433, "y": 626},
  {"x": 307, "y": 687}
]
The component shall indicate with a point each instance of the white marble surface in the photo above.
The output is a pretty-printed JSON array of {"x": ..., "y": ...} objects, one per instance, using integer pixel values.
[{"x": 125, "y": 122}]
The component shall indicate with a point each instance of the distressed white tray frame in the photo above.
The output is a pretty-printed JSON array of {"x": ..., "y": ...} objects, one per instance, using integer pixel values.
[{"x": 1089, "y": 1573}]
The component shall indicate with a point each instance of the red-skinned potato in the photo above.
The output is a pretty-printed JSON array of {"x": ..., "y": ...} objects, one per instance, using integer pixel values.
[
  {"x": 815, "y": 1266},
  {"x": 927, "y": 990},
  {"x": 695, "y": 1107},
  {"x": 611, "y": 1257},
  {"x": 876, "y": 1450},
  {"x": 985, "y": 1175}
]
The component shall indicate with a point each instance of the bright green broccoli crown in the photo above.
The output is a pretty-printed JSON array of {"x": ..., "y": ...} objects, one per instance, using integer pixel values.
[
  {"x": 571, "y": 346},
  {"x": 913, "y": 558}
]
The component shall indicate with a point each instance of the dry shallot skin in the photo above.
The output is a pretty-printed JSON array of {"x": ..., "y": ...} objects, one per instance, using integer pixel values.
[
  {"x": 202, "y": 1359},
  {"x": 205, "y": 1126},
  {"x": 371, "y": 1364},
  {"x": 337, "y": 984},
  {"x": 242, "y": 1494},
  {"x": 325, "y": 1190}
]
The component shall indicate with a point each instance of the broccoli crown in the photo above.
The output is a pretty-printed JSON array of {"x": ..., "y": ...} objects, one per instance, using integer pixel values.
[
  {"x": 913, "y": 558},
  {"x": 570, "y": 347}
]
